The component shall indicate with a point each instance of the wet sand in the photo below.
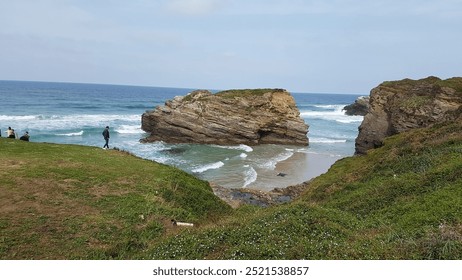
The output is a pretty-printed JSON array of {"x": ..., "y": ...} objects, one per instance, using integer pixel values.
[{"x": 299, "y": 168}]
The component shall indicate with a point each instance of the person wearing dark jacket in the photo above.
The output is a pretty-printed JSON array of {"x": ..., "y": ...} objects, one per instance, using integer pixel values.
[
  {"x": 106, "y": 137},
  {"x": 25, "y": 137}
]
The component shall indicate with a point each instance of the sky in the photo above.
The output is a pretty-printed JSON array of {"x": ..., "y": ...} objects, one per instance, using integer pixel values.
[{"x": 318, "y": 46}]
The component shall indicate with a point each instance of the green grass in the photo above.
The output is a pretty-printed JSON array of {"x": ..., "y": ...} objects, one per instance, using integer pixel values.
[
  {"x": 455, "y": 83},
  {"x": 415, "y": 102},
  {"x": 72, "y": 202},
  {"x": 231, "y": 94},
  {"x": 401, "y": 201},
  {"x": 234, "y": 93}
]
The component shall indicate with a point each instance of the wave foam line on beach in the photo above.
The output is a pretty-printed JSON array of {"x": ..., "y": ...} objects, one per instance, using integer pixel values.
[
  {"x": 250, "y": 176},
  {"x": 271, "y": 163},
  {"x": 241, "y": 147},
  {"x": 206, "y": 167}
]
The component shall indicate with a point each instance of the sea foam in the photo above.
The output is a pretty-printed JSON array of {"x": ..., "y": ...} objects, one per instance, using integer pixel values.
[
  {"x": 129, "y": 129},
  {"x": 80, "y": 133},
  {"x": 327, "y": 140},
  {"x": 250, "y": 176},
  {"x": 241, "y": 147},
  {"x": 272, "y": 162},
  {"x": 331, "y": 113},
  {"x": 58, "y": 122},
  {"x": 206, "y": 167}
]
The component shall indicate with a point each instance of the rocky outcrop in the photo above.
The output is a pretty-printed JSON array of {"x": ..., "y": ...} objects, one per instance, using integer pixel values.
[
  {"x": 402, "y": 105},
  {"x": 359, "y": 108},
  {"x": 263, "y": 116},
  {"x": 238, "y": 197}
]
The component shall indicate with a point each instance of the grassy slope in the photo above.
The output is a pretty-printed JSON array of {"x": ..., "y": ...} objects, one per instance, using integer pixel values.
[
  {"x": 402, "y": 201},
  {"x": 68, "y": 201},
  {"x": 233, "y": 93}
]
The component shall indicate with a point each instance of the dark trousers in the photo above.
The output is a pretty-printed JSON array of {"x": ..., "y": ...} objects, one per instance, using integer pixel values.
[{"x": 107, "y": 143}]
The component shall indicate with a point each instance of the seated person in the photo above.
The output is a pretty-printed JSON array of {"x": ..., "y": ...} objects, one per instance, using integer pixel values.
[
  {"x": 10, "y": 133},
  {"x": 25, "y": 137}
]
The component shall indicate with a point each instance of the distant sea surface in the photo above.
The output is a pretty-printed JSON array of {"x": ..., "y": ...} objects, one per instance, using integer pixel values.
[{"x": 77, "y": 114}]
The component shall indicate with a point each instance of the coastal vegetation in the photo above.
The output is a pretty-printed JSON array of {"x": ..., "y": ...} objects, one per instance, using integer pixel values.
[
  {"x": 73, "y": 202},
  {"x": 233, "y": 93},
  {"x": 400, "y": 201},
  {"x": 399, "y": 106}
]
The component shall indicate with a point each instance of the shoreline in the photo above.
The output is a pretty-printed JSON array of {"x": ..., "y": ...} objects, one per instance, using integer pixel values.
[
  {"x": 272, "y": 195},
  {"x": 308, "y": 165},
  {"x": 298, "y": 168}
]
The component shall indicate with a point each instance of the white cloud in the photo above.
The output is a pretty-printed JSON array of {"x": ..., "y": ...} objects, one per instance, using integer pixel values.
[
  {"x": 215, "y": 43},
  {"x": 193, "y": 7}
]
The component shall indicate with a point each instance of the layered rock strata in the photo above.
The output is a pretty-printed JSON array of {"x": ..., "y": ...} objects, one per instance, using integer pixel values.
[
  {"x": 402, "y": 105},
  {"x": 359, "y": 108},
  {"x": 263, "y": 116}
]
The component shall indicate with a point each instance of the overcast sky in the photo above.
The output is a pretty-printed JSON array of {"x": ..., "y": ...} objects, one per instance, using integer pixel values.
[{"x": 333, "y": 46}]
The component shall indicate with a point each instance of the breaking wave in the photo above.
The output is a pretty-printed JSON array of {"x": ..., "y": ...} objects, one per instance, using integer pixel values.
[
  {"x": 272, "y": 162},
  {"x": 80, "y": 133},
  {"x": 250, "y": 176},
  {"x": 129, "y": 129},
  {"x": 206, "y": 167},
  {"x": 327, "y": 140},
  {"x": 331, "y": 113},
  {"x": 241, "y": 147}
]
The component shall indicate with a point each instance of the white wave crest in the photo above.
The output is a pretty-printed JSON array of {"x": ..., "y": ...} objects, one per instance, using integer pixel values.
[
  {"x": 332, "y": 106},
  {"x": 129, "y": 129},
  {"x": 80, "y": 133},
  {"x": 271, "y": 163},
  {"x": 16, "y": 118},
  {"x": 69, "y": 122},
  {"x": 245, "y": 148},
  {"x": 351, "y": 119},
  {"x": 241, "y": 147},
  {"x": 243, "y": 155},
  {"x": 327, "y": 140},
  {"x": 333, "y": 113},
  {"x": 206, "y": 167},
  {"x": 250, "y": 176}
]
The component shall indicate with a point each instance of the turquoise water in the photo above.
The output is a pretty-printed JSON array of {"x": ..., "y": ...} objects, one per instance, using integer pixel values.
[{"x": 77, "y": 113}]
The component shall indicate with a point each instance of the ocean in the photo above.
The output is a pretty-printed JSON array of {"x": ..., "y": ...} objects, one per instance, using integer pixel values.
[{"x": 72, "y": 113}]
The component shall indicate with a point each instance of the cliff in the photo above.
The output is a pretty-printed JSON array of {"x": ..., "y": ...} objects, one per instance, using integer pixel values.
[
  {"x": 261, "y": 116},
  {"x": 403, "y": 105}
]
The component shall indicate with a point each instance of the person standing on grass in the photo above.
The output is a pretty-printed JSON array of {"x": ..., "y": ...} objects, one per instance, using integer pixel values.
[{"x": 106, "y": 137}]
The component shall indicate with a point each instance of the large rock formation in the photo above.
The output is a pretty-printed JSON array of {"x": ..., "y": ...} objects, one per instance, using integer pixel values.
[
  {"x": 263, "y": 116},
  {"x": 402, "y": 105},
  {"x": 359, "y": 108}
]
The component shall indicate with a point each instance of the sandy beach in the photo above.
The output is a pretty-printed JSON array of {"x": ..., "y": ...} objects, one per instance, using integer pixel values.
[{"x": 300, "y": 167}]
